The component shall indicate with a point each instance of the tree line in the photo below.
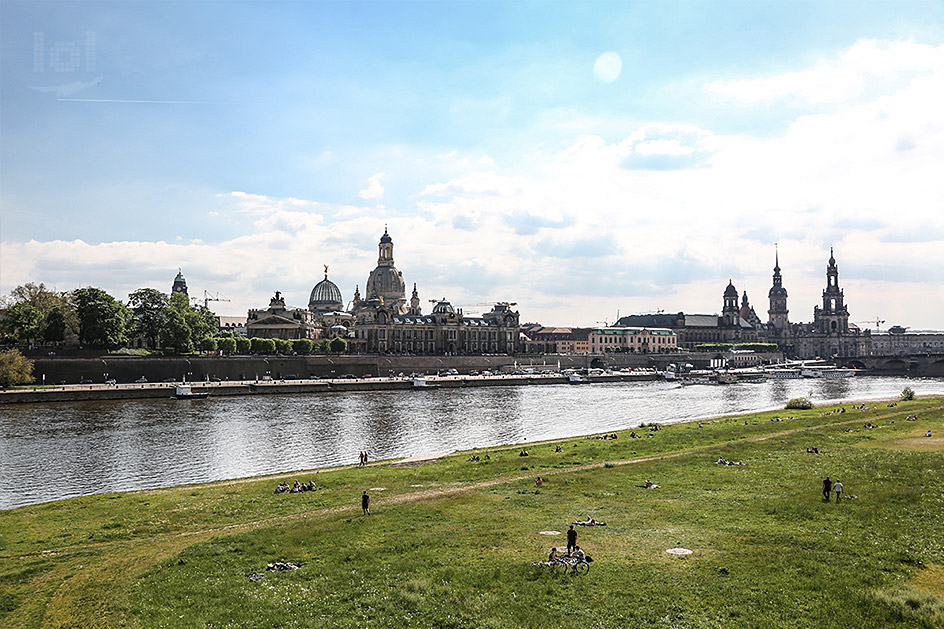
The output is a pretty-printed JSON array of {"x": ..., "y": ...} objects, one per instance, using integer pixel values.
[{"x": 33, "y": 314}]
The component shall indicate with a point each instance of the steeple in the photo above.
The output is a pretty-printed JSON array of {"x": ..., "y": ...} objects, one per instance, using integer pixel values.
[
  {"x": 777, "y": 314},
  {"x": 834, "y": 316},
  {"x": 415, "y": 308},
  {"x": 385, "y": 257}
]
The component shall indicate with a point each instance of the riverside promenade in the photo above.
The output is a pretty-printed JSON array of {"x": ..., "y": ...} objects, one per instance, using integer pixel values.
[{"x": 88, "y": 392}]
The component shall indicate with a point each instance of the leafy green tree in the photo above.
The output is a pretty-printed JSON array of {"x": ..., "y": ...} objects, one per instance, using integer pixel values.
[
  {"x": 243, "y": 345},
  {"x": 283, "y": 346},
  {"x": 338, "y": 345},
  {"x": 103, "y": 321},
  {"x": 15, "y": 368},
  {"x": 149, "y": 306},
  {"x": 22, "y": 321},
  {"x": 208, "y": 344},
  {"x": 175, "y": 332},
  {"x": 227, "y": 345},
  {"x": 263, "y": 346},
  {"x": 324, "y": 346},
  {"x": 302, "y": 346},
  {"x": 907, "y": 394},
  {"x": 54, "y": 325}
]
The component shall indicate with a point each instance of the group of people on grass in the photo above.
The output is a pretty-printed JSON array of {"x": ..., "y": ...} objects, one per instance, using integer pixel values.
[{"x": 296, "y": 488}]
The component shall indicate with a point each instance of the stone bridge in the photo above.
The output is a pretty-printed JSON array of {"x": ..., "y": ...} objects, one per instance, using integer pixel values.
[{"x": 931, "y": 365}]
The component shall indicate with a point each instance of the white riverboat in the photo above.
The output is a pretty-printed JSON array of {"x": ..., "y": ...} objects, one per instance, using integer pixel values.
[
  {"x": 186, "y": 392},
  {"x": 827, "y": 372},
  {"x": 784, "y": 373}
]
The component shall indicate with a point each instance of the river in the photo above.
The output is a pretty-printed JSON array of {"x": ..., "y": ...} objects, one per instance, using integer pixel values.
[{"x": 60, "y": 450}]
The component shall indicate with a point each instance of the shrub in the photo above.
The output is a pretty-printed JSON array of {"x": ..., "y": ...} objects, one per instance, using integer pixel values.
[
  {"x": 243, "y": 345},
  {"x": 226, "y": 345},
  {"x": 262, "y": 346},
  {"x": 302, "y": 346},
  {"x": 283, "y": 346},
  {"x": 15, "y": 368},
  {"x": 208, "y": 344},
  {"x": 800, "y": 403},
  {"x": 907, "y": 394}
]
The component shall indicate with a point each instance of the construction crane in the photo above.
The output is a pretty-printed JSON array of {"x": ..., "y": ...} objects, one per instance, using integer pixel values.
[
  {"x": 878, "y": 322},
  {"x": 207, "y": 298}
]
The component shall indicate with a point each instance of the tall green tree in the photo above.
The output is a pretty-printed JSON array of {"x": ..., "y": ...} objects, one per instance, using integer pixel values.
[
  {"x": 22, "y": 322},
  {"x": 175, "y": 332},
  {"x": 149, "y": 306},
  {"x": 103, "y": 321},
  {"x": 54, "y": 325},
  {"x": 15, "y": 368}
]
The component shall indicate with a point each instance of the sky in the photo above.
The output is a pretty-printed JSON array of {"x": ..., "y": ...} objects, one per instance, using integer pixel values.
[{"x": 583, "y": 160}]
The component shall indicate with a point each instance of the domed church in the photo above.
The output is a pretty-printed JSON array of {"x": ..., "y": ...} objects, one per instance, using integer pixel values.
[
  {"x": 385, "y": 281},
  {"x": 325, "y": 296}
]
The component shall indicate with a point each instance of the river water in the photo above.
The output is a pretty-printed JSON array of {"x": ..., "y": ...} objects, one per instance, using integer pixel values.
[{"x": 61, "y": 450}]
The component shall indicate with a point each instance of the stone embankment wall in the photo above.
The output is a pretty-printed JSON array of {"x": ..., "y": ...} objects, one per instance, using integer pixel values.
[
  {"x": 86, "y": 392},
  {"x": 125, "y": 369}
]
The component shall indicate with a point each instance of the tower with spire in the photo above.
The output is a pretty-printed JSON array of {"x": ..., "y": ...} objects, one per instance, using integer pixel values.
[
  {"x": 833, "y": 316},
  {"x": 777, "y": 315}
]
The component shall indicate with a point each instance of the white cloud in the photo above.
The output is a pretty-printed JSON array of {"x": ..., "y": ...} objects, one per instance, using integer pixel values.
[
  {"x": 867, "y": 68},
  {"x": 658, "y": 219},
  {"x": 373, "y": 190}
]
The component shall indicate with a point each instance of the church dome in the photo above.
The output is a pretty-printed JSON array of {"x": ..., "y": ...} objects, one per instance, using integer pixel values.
[
  {"x": 386, "y": 282},
  {"x": 443, "y": 307},
  {"x": 730, "y": 291},
  {"x": 325, "y": 296},
  {"x": 777, "y": 291}
]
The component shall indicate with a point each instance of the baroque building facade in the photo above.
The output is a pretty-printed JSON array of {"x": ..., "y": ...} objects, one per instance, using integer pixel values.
[{"x": 383, "y": 321}]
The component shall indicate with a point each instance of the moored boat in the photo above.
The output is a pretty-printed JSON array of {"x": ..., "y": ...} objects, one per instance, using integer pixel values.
[{"x": 186, "y": 392}]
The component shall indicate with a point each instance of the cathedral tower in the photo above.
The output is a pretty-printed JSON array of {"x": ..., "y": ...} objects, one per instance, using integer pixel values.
[
  {"x": 777, "y": 314},
  {"x": 833, "y": 317}
]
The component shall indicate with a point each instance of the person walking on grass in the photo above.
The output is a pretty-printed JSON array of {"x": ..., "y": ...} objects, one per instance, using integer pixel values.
[
  {"x": 827, "y": 485},
  {"x": 837, "y": 487},
  {"x": 571, "y": 539},
  {"x": 365, "y": 503}
]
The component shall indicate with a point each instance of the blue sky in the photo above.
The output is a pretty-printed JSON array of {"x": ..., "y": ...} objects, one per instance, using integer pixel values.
[{"x": 251, "y": 143}]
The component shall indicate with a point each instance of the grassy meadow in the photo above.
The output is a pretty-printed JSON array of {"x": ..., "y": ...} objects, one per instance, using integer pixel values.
[{"x": 450, "y": 543}]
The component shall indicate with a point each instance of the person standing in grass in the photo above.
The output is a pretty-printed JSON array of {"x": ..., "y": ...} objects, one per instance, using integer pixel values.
[
  {"x": 571, "y": 539},
  {"x": 827, "y": 485},
  {"x": 837, "y": 487},
  {"x": 365, "y": 503}
]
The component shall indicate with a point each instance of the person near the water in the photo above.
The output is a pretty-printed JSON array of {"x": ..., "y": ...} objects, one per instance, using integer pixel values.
[
  {"x": 365, "y": 503},
  {"x": 571, "y": 539},
  {"x": 827, "y": 486}
]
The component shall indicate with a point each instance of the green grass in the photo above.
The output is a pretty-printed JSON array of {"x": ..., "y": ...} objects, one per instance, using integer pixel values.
[{"x": 457, "y": 550}]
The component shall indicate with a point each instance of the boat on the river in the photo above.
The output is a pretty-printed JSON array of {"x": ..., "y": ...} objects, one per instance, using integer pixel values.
[
  {"x": 186, "y": 392},
  {"x": 576, "y": 378},
  {"x": 423, "y": 383},
  {"x": 827, "y": 371},
  {"x": 784, "y": 373}
]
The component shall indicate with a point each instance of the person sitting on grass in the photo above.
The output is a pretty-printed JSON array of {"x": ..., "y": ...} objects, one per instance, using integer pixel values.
[
  {"x": 553, "y": 557},
  {"x": 579, "y": 555}
]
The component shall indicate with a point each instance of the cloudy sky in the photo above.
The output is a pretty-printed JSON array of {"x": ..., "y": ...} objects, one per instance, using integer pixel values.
[{"x": 582, "y": 160}]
